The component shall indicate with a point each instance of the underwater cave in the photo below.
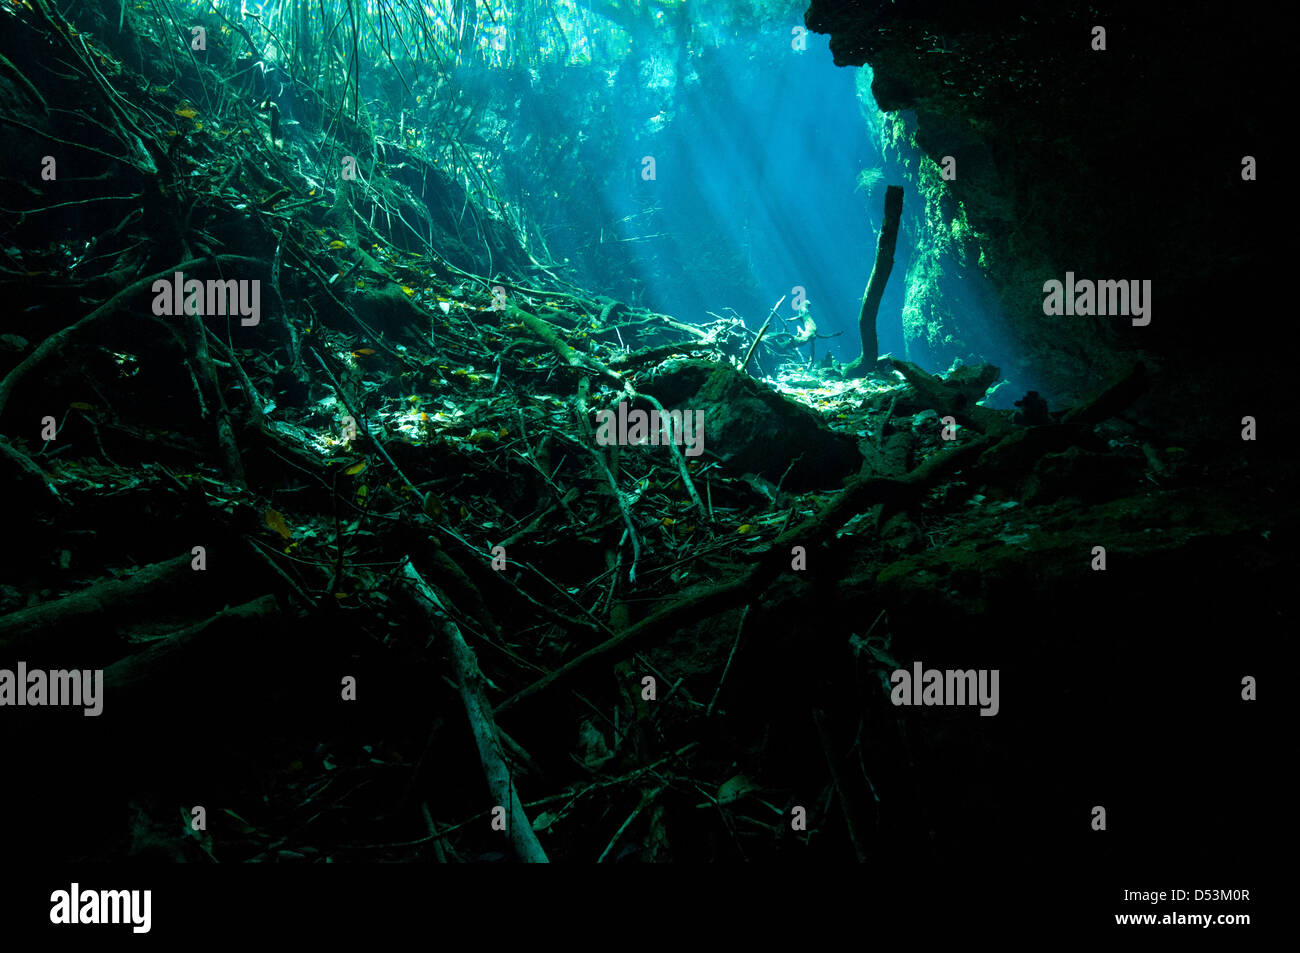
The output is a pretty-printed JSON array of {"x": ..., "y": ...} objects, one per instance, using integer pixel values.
[{"x": 645, "y": 431}]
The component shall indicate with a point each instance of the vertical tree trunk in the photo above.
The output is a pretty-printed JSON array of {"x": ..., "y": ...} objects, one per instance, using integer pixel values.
[{"x": 884, "y": 263}]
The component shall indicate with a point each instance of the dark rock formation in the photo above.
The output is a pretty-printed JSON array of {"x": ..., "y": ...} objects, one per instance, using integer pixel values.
[
  {"x": 1117, "y": 164},
  {"x": 753, "y": 429}
]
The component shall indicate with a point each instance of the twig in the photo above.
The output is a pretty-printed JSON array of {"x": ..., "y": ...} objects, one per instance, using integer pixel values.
[
  {"x": 708, "y": 712},
  {"x": 754, "y": 344},
  {"x": 647, "y": 798}
]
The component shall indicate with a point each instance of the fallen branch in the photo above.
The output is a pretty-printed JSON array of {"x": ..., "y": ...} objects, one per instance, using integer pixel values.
[
  {"x": 470, "y": 682},
  {"x": 56, "y": 341},
  {"x": 653, "y": 355},
  {"x": 204, "y": 647},
  {"x": 24, "y": 629},
  {"x": 29, "y": 473}
]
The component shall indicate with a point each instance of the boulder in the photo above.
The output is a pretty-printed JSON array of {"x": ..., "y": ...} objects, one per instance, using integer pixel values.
[{"x": 751, "y": 428}]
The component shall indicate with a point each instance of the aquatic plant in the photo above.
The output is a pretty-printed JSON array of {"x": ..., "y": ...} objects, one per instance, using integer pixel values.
[{"x": 868, "y": 178}]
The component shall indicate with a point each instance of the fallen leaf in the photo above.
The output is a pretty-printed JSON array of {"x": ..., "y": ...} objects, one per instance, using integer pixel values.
[
  {"x": 735, "y": 788},
  {"x": 277, "y": 523}
]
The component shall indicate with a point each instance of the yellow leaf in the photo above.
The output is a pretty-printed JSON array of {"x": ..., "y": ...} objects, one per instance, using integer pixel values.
[
  {"x": 407, "y": 291},
  {"x": 744, "y": 529},
  {"x": 355, "y": 469},
  {"x": 364, "y": 350},
  {"x": 338, "y": 244},
  {"x": 277, "y": 523},
  {"x": 81, "y": 405},
  {"x": 187, "y": 113}
]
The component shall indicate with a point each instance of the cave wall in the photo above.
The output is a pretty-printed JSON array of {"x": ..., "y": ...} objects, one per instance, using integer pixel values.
[{"x": 1118, "y": 164}]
